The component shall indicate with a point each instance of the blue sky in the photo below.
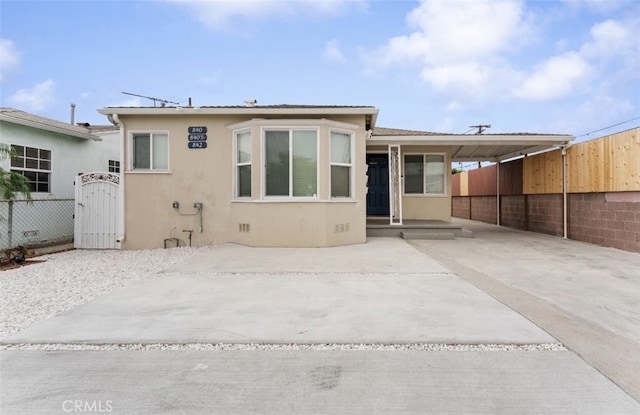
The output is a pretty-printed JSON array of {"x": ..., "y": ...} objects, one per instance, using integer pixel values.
[{"x": 568, "y": 67}]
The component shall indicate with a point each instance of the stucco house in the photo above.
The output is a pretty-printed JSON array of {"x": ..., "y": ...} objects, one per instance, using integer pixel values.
[
  {"x": 50, "y": 154},
  {"x": 285, "y": 175}
]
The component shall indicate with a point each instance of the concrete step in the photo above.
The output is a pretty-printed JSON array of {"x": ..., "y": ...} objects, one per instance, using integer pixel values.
[{"x": 422, "y": 234}]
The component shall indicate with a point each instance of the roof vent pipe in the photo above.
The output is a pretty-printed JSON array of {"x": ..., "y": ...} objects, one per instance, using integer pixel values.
[{"x": 73, "y": 114}]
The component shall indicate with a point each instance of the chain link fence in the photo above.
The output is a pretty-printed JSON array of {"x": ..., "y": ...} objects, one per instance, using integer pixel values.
[{"x": 35, "y": 222}]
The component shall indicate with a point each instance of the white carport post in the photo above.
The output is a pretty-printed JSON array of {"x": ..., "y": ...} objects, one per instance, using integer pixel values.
[
  {"x": 498, "y": 193},
  {"x": 395, "y": 185}
]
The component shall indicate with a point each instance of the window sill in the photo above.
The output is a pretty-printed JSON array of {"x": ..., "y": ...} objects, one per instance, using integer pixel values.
[
  {"x": 429, "y": 195},
  {"x": 259, "y": 201}
]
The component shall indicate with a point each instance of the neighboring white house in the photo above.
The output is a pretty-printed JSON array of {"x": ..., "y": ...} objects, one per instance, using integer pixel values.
[{"x": 50, "y": 154}]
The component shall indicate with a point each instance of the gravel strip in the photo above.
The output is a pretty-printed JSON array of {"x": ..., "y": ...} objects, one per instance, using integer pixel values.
[
  {"x": 545, "y": 347},
  {"x": 36, "y": 292}
]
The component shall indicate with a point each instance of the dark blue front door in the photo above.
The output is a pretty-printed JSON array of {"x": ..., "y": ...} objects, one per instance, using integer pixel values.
[{"x": 378, "y": 184}]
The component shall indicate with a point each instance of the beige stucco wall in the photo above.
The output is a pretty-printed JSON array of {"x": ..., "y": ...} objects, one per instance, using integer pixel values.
[{"x": 206, "y": 176}]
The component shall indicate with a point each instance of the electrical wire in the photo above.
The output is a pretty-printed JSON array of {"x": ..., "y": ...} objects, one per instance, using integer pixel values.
[{"x": 606, "y": 128}]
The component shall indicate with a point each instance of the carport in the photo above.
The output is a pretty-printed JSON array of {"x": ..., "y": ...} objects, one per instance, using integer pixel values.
[{"x": 463, "y": 148}]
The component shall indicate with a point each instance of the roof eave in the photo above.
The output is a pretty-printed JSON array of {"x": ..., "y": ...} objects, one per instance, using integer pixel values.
[
  {"x": 238, "y": 111},
  {"x": 452, "y": 139},
  {"x": 50, "y": 128}
]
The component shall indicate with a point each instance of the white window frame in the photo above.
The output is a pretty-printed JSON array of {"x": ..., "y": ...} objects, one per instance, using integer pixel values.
[
  {"x": 351, "y": 134},
  {"x": 263, "y": 152},
  {"x": 150, "y": 169},
  {"x": 24, "y": 168},
  {"x": 237, "y": 164},
  {"x": 424, "y": 193}
]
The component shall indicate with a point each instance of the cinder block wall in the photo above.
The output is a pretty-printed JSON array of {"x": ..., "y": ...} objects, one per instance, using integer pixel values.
[
  {"x": 513, "y": 211},
  {"x": 461, "y": 207},
  {"x": 607, "y": 219},
  {"x": 545, "y": 214},
  {"x": 483, "y": 208}
]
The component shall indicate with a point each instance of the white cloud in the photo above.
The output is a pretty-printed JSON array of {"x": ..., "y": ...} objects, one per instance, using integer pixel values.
[
  {"x": 554, "y": 78},
  {"x": 35, "y": 99},
  {"x": 222, "y": 14},
  {"x": 332, "y": 51},
  {"x": 613, "y": 38},
  {"x": 9, "y": 58},
  {"x": 459, "y": 44}
]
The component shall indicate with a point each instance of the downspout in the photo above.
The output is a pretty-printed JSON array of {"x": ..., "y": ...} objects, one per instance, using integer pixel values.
[
  {"x": 123, "y": 165},
  {"x": 564, "y": 192}
]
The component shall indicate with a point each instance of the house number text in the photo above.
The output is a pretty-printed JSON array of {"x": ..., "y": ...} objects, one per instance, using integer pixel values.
[{"x": 197, "y": 137}]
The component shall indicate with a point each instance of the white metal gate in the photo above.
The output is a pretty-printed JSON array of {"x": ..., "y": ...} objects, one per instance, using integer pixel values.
[{"x": 97, "y": 210}]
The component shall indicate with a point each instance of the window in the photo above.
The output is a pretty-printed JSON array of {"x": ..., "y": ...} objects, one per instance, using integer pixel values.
[
  {"x": 35, "y": 165},
  {"x": 243, "y": 164},
  {"x": 150, "y": 151},
  {"x": 291, "y": 163},
  {"x": 114, "y": 166},
  {"x": 340, "y": 164},
  {"x": 424, "y": 174}
]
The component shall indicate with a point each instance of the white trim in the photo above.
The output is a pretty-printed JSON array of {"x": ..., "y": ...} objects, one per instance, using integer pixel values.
[
  {"x": 129, "y": 167},
  {"x": 424, "y": 193},
  {"x": 263, "y": 154},
  {"x": 235, "y": 165},
  {"x": 351, "y": 164}
]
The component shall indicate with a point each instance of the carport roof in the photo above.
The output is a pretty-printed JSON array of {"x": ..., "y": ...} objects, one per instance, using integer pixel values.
[{"x": 473, "y": 147}]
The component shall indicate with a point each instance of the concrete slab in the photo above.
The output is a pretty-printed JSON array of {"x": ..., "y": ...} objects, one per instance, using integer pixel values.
[
  {"x": 378, "y": 255},
  {"x": 586, "y": 296},
  {"x": 306, "y": 382},
  {"x": 290, "y": 308}
]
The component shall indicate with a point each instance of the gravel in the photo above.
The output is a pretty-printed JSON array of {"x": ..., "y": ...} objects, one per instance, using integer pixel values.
[
  {"x": 40, "y": 291},
  {"x": 429, "y": 347}
]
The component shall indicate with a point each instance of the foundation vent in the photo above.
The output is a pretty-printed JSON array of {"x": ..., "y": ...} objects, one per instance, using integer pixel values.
[
  {"x": 244, "y": 227},
  {"x": 341, "y": 227}
]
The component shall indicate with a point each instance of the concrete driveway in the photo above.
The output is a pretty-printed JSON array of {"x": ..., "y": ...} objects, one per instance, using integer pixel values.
[
  {"x": 385, "y": 293},
  {"x": 382, "y": 292}
]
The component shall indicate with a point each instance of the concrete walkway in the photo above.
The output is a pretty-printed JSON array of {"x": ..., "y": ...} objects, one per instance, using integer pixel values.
[
  {"x": 385, "y": 291},
  {"x": 586, "y": 296}
]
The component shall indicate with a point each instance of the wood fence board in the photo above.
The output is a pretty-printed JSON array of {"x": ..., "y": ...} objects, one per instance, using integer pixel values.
[{"x": 464, "y": 183}]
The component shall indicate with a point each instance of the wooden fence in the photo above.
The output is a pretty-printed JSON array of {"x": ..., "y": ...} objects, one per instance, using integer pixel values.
[{"x": 603, "y": 187}]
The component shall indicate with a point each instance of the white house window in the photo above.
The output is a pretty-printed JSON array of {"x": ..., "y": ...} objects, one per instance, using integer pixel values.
[
  {"x": 424, "y": 174},
  {"x": 114, "y": 166},
  {"x": 35, "y": 165},
  {"x": 341, "y": 164},
  {"x": 243, "y": 164},
  {"x": 150, "y": 151},
  {"x": 291, "y": 162}
]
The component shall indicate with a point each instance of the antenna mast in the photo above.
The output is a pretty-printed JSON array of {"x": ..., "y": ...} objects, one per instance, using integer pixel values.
[
  {"x": 480, "y": 127},
  {"x": 163, "y": 102}
]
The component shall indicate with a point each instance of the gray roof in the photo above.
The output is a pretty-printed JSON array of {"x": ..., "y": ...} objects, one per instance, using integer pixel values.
[
  {"x": 19, "y": 117},
  {"x": 399, "y": 132}
]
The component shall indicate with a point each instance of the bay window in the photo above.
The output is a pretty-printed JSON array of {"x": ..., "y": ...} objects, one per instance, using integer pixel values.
[
  {"x": 291, "y": 162},
  {"x": 243, "y": 164},
  {"x": 341, "y": 164},
  {"x": 424, "y": 174}
]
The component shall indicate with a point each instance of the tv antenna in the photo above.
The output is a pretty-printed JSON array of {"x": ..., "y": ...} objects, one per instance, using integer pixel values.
[
  {"x": 481, "y": 128},
  {"x": 163, "y": 102}
]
